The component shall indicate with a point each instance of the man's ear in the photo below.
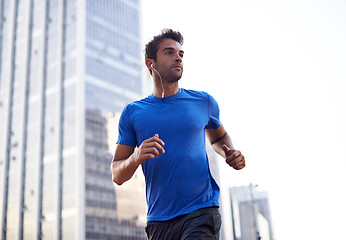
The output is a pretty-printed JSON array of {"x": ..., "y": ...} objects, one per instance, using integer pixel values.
[{"x": 149, "y": 63}]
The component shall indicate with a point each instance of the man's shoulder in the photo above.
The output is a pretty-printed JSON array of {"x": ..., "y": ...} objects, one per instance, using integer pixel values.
[
  {"x": 137, "y": 105},
  {"x": 196, "y": 93}
]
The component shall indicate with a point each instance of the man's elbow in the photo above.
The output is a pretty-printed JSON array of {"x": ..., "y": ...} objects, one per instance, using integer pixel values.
[
  {"x": 117, "y": 181},
  {"x": 115, "y": 177}
]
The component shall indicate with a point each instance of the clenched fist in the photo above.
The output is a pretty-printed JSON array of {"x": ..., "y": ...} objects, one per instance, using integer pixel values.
[
  {"x": 234, "y": 158},
  {"x": 149, "y": 148}
]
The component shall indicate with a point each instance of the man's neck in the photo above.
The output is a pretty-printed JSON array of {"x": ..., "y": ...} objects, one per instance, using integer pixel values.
[{"x": 168, "y": 90}]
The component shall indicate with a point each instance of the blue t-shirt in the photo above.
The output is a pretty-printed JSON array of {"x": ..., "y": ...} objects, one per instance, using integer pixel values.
[{"x": 178, "y": 181}]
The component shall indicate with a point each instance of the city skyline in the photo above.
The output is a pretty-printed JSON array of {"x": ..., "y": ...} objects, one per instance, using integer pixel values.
[
  {"x": 65, "y": 67},
  {"x": 276, "y": 70}
]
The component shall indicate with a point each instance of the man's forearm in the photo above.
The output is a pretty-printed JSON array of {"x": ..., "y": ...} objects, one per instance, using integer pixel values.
[
  {"x": 127, "y": 159},
  {"x": 123, "y": 170},
  {"x": 217, "y": 146}
]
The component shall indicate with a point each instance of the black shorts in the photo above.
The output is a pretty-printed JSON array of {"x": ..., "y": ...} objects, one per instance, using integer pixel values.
[{"x": 203, "y": 223}]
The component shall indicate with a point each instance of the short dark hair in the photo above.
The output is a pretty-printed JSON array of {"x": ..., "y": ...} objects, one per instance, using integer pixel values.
[{"x": 153, "y": 46}]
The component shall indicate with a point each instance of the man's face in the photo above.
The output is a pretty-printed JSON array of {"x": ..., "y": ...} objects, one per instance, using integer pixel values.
[{"x": 170, "y": 60}]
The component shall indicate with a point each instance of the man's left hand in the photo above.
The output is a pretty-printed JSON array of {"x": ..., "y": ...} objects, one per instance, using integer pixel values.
[{"x": 234, "y": 158}]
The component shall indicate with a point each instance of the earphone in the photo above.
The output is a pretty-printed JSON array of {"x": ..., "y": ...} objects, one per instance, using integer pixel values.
[{"x": 163, "y": 89}]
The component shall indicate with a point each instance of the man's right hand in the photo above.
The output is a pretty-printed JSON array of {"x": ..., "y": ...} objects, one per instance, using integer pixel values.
[{"x": 150, "y": 148}]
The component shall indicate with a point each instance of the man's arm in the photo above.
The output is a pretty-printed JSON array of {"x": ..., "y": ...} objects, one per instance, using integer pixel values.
[
  {"x": 127, "y": 159},
  {"x": 222, "y": 144}
]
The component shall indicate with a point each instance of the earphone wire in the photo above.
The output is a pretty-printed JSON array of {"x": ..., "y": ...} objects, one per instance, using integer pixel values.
[{"x": 163, "y": 89}]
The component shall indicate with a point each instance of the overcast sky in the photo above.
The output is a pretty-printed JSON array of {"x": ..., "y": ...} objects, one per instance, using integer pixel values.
[{"x": 277, "y": 70}]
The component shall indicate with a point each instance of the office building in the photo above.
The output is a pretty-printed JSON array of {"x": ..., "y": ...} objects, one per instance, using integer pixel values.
[
  {"x": 67, "y": 69},
  {"x": 251, "y": 219}
]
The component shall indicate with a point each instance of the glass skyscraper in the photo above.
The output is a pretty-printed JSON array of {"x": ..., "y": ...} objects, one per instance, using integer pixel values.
[{"x": 67, "y": 69}]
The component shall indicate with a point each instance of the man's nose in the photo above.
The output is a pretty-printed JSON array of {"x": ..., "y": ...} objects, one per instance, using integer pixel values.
[{"x": 178, "y": 58}]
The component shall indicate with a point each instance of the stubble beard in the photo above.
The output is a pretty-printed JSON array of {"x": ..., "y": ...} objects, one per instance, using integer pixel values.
[
  {"x": 174, "y": 77},
  {"x": 170, "y": 75}
]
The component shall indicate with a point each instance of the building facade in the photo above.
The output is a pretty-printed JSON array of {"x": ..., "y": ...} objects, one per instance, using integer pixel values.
[
  {"x": 251, "y": 218},
  {"x": 67, "y": 69}
]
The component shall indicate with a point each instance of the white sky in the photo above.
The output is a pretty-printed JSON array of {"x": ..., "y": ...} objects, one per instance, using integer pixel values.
[{"x": 278, "y": 72}]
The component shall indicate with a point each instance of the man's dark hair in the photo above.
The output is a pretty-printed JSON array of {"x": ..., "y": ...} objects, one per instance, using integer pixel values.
[{"x": 153, "y": 46}]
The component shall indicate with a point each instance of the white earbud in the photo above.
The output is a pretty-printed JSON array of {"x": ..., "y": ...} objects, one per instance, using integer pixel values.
[{"x": 163, "y": 89}]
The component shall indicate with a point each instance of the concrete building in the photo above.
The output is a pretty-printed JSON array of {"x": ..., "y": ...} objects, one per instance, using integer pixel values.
[
  {"x": 251, "y": 218},
  {"x": 65, "y": 67}
]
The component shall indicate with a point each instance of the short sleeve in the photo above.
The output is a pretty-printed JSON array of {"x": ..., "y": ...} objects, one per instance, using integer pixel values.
[
  {"x": 126, "y": 134},
  {"x": 214, "y": 114}
]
